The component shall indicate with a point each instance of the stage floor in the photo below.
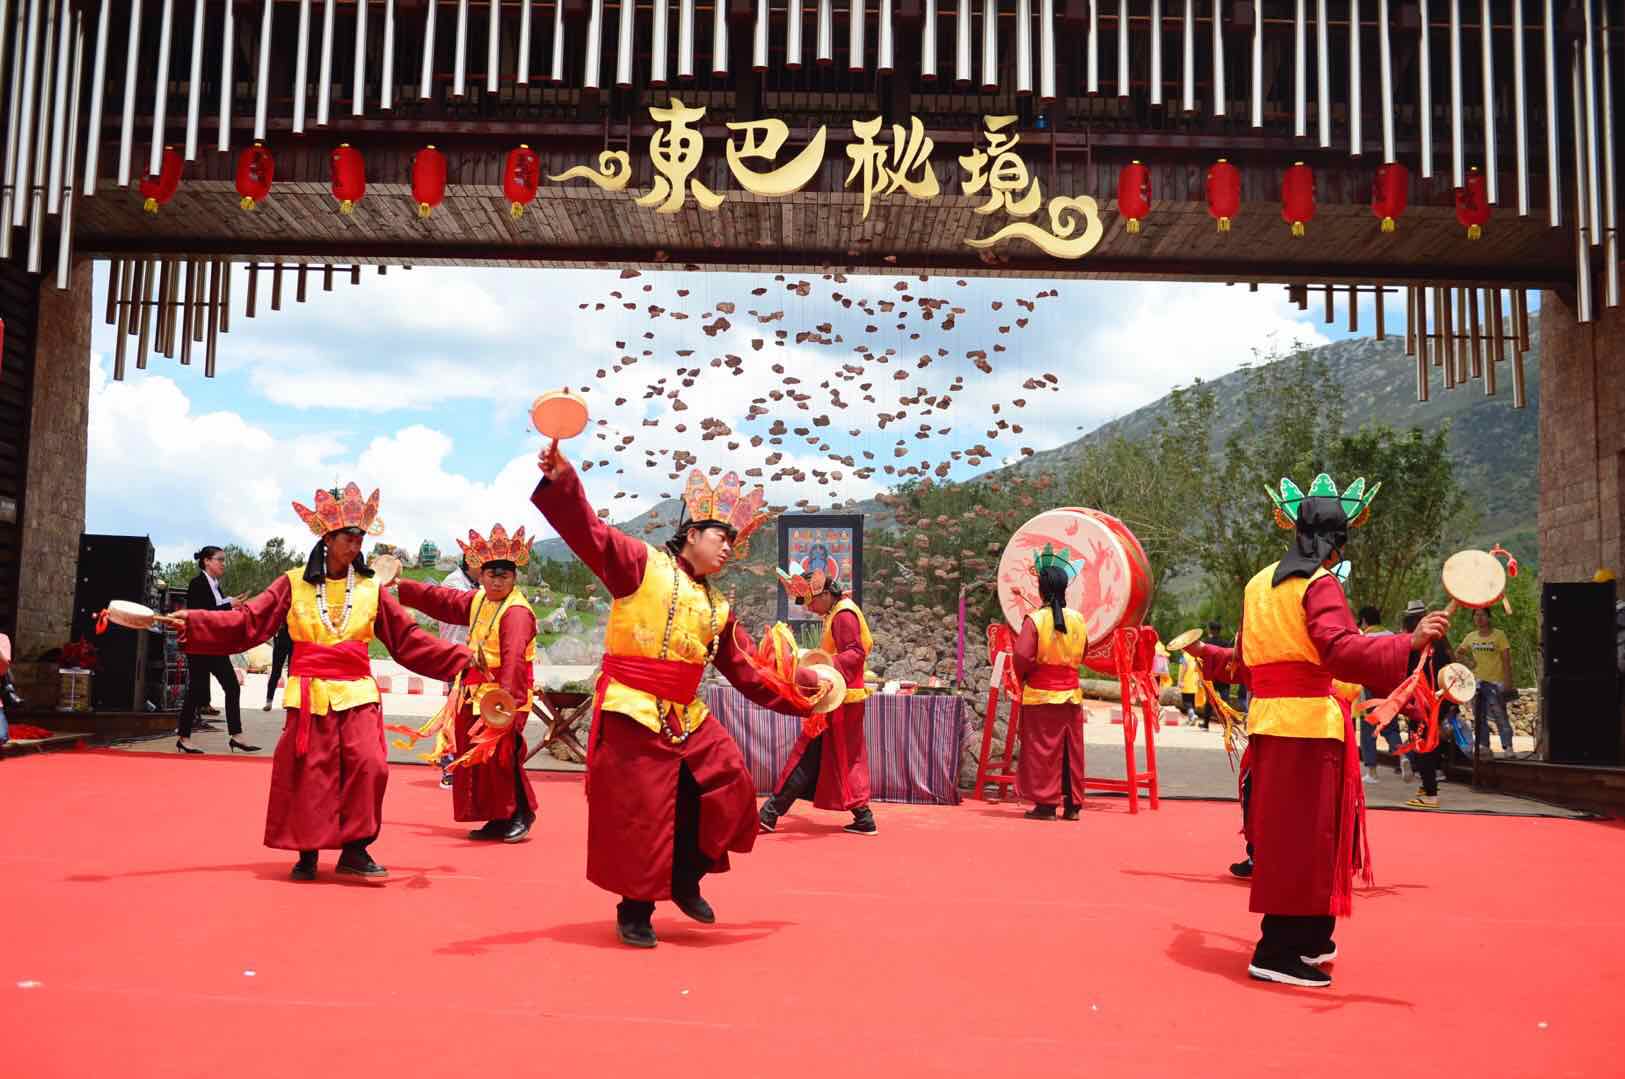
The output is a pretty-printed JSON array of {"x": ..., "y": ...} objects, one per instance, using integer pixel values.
[{"x": 147, "y": 933}]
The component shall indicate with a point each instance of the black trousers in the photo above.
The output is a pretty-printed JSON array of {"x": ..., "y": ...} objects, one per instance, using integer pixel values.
[
  {"x": 280, "y": 654},
  {"x": 198, "y": 671},
  {"x": 1288, "y": 936},
  {"x": 1246, "y": 804},
  {"x": 802, "y": 782},
  {"x": 688, "y": 865}
]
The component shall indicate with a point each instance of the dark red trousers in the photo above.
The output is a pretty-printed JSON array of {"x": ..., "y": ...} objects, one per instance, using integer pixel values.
[
  {"x": 1051, "y": 738},
  {"x": 333, "y": 794}
]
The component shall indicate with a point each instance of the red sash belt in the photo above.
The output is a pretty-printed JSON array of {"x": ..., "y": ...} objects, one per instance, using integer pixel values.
[
  {"x": 346, "y": 661},
  {"x": 1053, "y": 676},
  {"x": 667, "y": 679},
  {"x": 1290, "y": 679}
]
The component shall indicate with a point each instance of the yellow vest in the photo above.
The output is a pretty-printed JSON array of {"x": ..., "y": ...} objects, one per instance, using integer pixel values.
[
  {"x": 653, "y": 624},
  {"x": 484, "y": 618},
  {"x": 305, "y": 624},
  {"x": 1058, "y": 650},
  {"x": 1275, "y": 630},
  {"x": 828, "y": 644}
]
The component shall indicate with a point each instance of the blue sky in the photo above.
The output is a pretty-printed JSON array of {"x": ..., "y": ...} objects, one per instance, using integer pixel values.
[{"x": 419, "y": 383}]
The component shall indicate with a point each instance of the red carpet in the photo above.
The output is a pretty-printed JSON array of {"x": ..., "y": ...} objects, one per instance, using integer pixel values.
[{"x": 961, "y": 941}]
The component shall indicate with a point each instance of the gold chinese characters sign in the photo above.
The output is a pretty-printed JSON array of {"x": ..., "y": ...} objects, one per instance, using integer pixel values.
[{"x": 879, "y": 169}]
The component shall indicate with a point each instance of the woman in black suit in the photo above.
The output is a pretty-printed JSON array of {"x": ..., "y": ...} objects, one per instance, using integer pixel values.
[{"x": 204, "y": 594}]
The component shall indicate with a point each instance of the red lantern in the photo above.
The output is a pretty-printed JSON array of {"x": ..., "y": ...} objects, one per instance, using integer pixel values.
[
  {"x": 255, "y": 170},
  {"x": 158, "y": 190},
  {"x": 1134, "y": 193},
  {"x": 428, "y": 179},
  {"x": 1223, "y": 193},
  {"x": 1298, "y": 197},
  {"x": 1473, "y": 204},
  {"x": 1389, "y": 190},
  {"x": 521, "y": 176},
  {"x": 349, "y": 176}
]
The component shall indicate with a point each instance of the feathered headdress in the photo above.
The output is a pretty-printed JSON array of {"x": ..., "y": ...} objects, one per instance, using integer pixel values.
[
  {"x": 726, "y": 505},
  {"x": 1049, "y": 556},
  {"x": 499, "y": 548},
  {"x": 1355, "y": 498},
  {"x": 335, "y": 510}
]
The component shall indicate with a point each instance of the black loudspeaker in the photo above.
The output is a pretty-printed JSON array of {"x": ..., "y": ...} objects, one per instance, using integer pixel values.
[
  {"x": 1577, "y": 630},
  {"x": 1582, "y": 720},
  {"x": 114, "y": 567}
]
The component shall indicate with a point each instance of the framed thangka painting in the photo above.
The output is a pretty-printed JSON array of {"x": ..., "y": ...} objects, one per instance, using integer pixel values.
[{"x": 821, "y": 541}]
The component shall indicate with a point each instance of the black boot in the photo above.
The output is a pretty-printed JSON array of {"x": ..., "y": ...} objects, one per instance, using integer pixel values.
[
  {"x": 1243, "y": 868},
  {"x": 518, "y": 827},
  {"x": 305, "y": 867},
  {"x": 1040, "y": 812},
  {"x": 1282, "y": 943},
  {"x": 1071, "y": 811},
  {"x": 491, "y": 829},
  {"x": 356, "y": 862},
  {"x": 863, "y": 822},
  {"x": 769, "y": 819},
  {"x": 632, "y": 923}
]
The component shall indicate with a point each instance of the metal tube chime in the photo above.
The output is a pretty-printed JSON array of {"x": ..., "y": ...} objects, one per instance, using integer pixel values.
[
  {"x": 793, "y": 25},
  {"x": 1410, "y": 319},
  {"x": 98, "y": 76},
  {"x": 262, "y": 102},
  {"x": 1093, "y": 73},
  {"x": 1385, "y": 76},
  {"x": 1122, "y": 49},
  {"x": 522, "y": 76},
  {"x": 885, "y": 45},
  {"x": 1424, "y": 93},
  {"x": 758, "y": 36},
  {"x": 990, "y": 44},
  {"x": 426, "y": 73},
  {"x": 59, "y": 111},
  {"x": 1024, "y": 47},
  {"x": 1156, "y": 52},
  {"x": 1323, "y": 73},
  {"x": 217, "y": 316},
  {"x": 459, "y": 67},
  {"x": 1497, "y": 338},
  {"x": 1554, "y": 181},
  {"x": 856, "y": 14},
  {"x": 659, "y": 41},
  {"x": 41, "y": 136},
  {"x": 962, "y": 30},
  {"x": 1458, "y": 160},
  {"x": 592, "y": 67},
  {"x": 301, "y": 67},
  {"x": 685, "y": 34},
  {"x": 1520, "y": 312},
  {"x": 1589, "y": 87},
  {"x": 557, "y": 66},
  {"x": 1420, "y": 317},
  {"x": 1492, "y": 171},
  {"x": 1187, "y": 97},
  {"x": 1258, "y": 65},
  {"x": 1582, "y": 197},
  {"x": 493, "y": 46},
  {"x": 1046, "y": 49},
  {"x": 1300, "y": 69},
  {"x": 194, "y": 84},
  {"x": 1356, "y": 131},
  {"x": 64, "y": 183},
  {"x": 11, "y": 98},
  {"x": 132, "y": 64},
  {"x": 625, "y": 37},
  {"x": 324, "y": 77},
  {"x": 1610, "y": 177},
  {"x": 386, "y": 77},
  {"x": 1218, "y": 58},
  {"x": 1520, "y": 119},
  {"x": 719, "y": 37},
  {"x": 1476, "y": 333},
  {"x": 160, "y": 92}
]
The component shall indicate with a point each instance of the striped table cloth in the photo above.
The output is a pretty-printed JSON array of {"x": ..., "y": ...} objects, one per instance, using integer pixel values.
[{"x": 913, "y": 743}]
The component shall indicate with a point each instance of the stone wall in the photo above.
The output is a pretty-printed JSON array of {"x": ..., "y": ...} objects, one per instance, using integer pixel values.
[
  {"x": 1582, "y": 438},
  {"x": 54, "y": 507}
]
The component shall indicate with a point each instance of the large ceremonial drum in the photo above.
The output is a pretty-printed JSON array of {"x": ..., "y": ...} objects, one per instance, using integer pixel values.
[{"x": 1112, "y": 588}]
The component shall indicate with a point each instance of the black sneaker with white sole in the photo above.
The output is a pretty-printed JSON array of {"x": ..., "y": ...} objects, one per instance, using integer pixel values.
[
  {"x": 1324, "y": 955},
  {"x": 863, "y": 823},
  {"x": 1289, "y": 971}
]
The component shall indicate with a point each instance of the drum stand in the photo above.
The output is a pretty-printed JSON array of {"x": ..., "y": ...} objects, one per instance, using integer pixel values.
[
  {"x": 558, "y": 726},
  {"x": 1004, "y": 778},
  {"x": 1141, "y": 684}
]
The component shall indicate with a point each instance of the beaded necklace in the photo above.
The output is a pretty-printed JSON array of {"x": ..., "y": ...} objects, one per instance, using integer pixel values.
[
  {"x": 671, "y": 612},
  {"x": 321, "y": 604}
]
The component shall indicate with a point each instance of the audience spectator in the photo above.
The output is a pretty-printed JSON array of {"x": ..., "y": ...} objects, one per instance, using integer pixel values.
[
  {"x": 204, "y": 594},
  {"x": 1490, "y": 655},
  {"x": 1369, "y": 620},
  {"x": 281, "y": 652},
  {"x": 1429, "y": 764}
]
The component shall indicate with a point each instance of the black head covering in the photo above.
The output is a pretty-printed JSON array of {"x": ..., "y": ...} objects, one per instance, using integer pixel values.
[{"x": 1322, "y": 528}]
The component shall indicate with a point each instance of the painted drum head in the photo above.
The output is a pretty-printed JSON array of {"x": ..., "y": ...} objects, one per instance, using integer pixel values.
[
  {"x": 1112, "y": 589},
  {"x": 559, "y": 414},
  {"x": 1457, "y": 682},
  {"x": 1474, "y": 578},
  {"x": 1184, "y": 640},
  {"x": 122, "y": 612}
]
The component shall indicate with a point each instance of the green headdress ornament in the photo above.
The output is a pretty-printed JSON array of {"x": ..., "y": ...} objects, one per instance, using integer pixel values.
[
  {"x": 1356, "y": 499},
  {"x": 1049, "y": 556}
]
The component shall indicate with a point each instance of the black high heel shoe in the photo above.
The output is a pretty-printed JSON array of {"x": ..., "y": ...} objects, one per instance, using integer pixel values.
[
  {"x": 244, "y": 746},
  {"x": 184, "y": 748}
]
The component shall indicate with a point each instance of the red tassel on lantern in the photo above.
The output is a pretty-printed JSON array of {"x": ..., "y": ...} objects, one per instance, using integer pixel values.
[
  {"x": 349, "y": 176},
  {"x": 428, "y": 179},
  {"x": 1223, "y": 193},
  {"x": 521, "y": 176},
  {"x": 1473, "y": 204},
  {"x": 1390, "y": 189},
  {"x": 1134, "y": 194},
  {"x": 255, "y": 171},
  {"x": 1298, "y": 197},
  {"x": 157, "y": 190}
]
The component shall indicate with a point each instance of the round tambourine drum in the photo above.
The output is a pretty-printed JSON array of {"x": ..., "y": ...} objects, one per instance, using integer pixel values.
[
  {"x": 1457, "y": 682},
  {"x": 1112, "y": 589},
  {"x": 559, "y": 414},
  {"x": 123, "y": 612},
  {"x": 1474, "y": 579}
]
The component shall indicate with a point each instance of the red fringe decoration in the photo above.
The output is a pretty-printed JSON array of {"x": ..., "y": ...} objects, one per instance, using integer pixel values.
[{"x": 25, "y": 732}]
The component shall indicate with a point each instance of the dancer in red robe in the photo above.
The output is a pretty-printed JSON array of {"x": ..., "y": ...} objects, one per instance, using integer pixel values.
[
  {"x": 830, "y": 761},
  {"x": 1307, "y": 808},
  {"x": 330, "y": 769},
  {"x": 1047, "y": 654},
  {"x": 493, "y": 788},
  {"x": 668, "y": 794}
]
